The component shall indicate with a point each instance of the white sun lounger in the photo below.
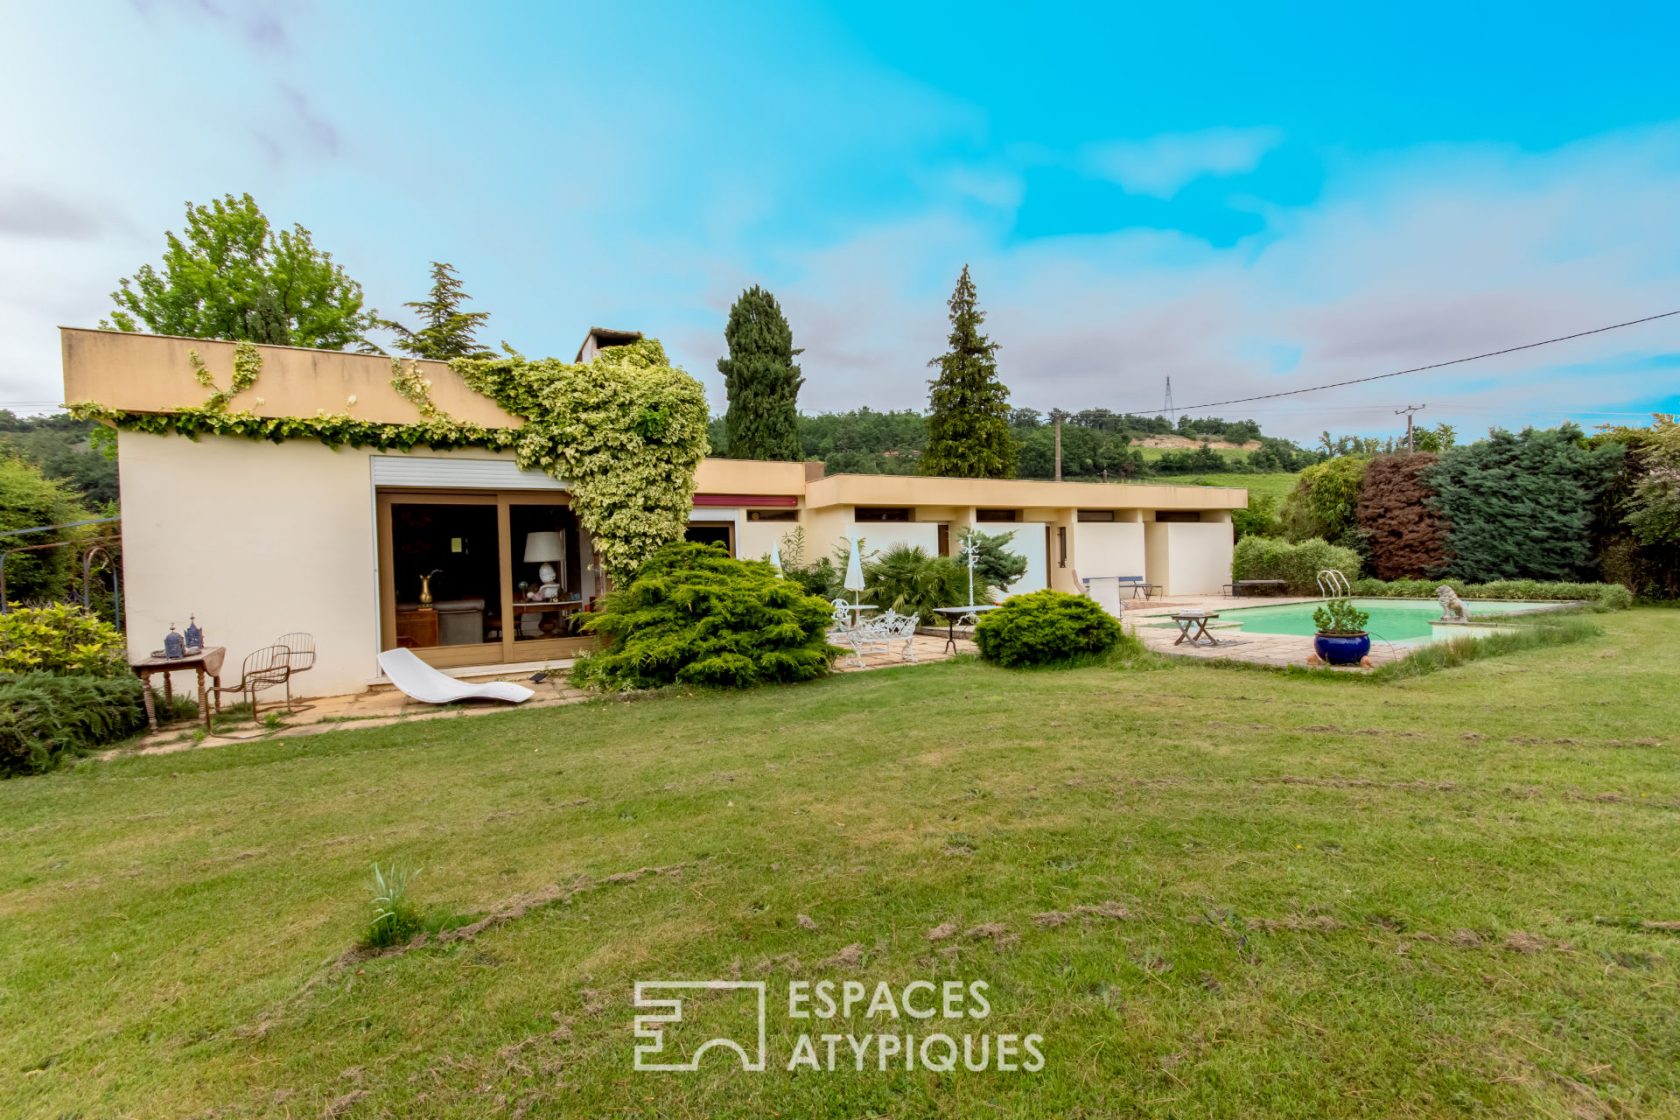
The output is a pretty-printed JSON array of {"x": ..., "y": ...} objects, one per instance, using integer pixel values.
[{"x": 421, "y": 682}]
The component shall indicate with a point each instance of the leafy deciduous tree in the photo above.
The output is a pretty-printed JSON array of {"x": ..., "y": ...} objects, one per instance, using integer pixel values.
[
  {"x": 232, "y": 275},
  {"x": 968, "y": 429}
]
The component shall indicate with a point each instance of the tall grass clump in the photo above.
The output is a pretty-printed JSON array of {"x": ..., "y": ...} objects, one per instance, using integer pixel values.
[
  {"x": 46, "y": 718},
  {"x": 396, "y": 919}
]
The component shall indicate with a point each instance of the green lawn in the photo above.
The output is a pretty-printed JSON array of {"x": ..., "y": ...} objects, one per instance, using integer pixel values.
[
  {"x": 1277, "y": 484},
  {"x": 1268, "y": 896}
]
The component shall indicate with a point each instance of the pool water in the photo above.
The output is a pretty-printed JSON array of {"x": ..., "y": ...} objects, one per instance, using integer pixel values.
[{"x": 1392, "y": 620}]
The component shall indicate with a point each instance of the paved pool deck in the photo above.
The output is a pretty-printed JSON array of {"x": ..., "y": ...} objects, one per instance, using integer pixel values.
[{"x": 1275, "y": 650}]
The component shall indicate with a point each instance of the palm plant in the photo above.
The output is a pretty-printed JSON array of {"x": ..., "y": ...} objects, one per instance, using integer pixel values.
[{"x": 906, "y": 579}]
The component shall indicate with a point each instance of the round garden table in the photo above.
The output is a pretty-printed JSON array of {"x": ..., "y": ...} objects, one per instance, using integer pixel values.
[{"x": 954, "y": 615}]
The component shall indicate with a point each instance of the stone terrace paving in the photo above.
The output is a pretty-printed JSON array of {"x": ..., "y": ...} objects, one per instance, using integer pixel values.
[{"x": 1234, "y": 645}]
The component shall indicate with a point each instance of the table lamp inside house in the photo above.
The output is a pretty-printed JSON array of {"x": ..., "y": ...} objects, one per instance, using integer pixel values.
[{"x": 546, "y": 548}]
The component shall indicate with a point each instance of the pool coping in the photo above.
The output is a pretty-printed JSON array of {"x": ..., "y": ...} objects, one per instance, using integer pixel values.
[{"x": 1280, "y": 650}]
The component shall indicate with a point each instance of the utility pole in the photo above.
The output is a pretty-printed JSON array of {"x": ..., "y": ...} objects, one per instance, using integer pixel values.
[
  {"x": 1407, "y": 413},
  {"x": 1058, "y": 416}
]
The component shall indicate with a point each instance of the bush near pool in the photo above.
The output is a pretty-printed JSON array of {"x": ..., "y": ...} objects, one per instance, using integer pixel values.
[{"x": 1045, "y": 627}]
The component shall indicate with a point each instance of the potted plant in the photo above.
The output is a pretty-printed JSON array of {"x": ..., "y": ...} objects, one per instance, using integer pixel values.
[{"x": 1341, "y": 638}]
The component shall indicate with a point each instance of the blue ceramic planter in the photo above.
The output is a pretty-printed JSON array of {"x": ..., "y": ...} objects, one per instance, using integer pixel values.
[{"x": 1342, "y": 649}]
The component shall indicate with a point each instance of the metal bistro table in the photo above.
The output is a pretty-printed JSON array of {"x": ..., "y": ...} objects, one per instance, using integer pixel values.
[
  {"x": 206, "y": 662},
  {"x": 954, "y": 615},
  {"x": 1198, "y": 619}
]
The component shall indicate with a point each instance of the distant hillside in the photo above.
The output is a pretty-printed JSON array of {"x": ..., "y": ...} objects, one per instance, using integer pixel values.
[{"x": 1096, "y": 444}]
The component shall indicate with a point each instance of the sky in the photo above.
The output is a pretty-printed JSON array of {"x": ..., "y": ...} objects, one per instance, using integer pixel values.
[{"x": 1247, "y": 199}]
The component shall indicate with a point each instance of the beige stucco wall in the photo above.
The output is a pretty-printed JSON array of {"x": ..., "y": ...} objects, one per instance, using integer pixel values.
[
  {"x": 257, "y": 540},
  {"x": 754, "y": 540},
  {"x": 878, "y": 536},
  {"x": 153, "y": 373},
  {"x": 1190, "y": 557},
  {"x": 1109, "y": 548},
  {"x": 1032, "y": 541},
  {"x": 1036, "y": 497}
]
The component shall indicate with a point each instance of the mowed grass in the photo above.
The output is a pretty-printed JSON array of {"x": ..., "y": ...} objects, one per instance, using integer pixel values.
[
  {"x": 1276, "y": 484},
  {"x": 1308, "y": 897}
]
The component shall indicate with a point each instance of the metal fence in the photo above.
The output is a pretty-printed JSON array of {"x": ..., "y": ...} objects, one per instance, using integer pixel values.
[{"x": 96, "y": 554}]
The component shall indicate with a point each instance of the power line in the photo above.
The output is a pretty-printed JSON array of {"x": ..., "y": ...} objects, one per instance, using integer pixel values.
[{"x": 1433, "y": 365}]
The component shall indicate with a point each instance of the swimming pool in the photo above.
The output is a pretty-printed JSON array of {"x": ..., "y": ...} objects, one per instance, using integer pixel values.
[{"x": 1392, "y": 620}]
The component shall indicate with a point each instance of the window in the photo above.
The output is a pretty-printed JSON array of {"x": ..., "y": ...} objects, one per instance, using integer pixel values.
[
  {"x": 1177, "y": 515},
  {"x": 1096, "y": 515},
  {"x": 1061, "y": 546},
  {"x": 995, "y": 515},
  {"x": 720, "y": 533},
  {"x": 772, "y": 515},
  {"x": 881, "y": 513}
]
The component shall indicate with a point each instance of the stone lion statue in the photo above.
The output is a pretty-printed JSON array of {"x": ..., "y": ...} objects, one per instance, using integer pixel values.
[{"x": 1453, "y": 609}]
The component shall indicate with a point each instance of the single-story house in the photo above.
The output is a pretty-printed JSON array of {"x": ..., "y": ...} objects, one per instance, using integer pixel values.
[{"x": 471, "y": 561}]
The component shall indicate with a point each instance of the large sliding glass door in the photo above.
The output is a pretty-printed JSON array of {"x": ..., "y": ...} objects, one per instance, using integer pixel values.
[{"x": 482, "y": 577}]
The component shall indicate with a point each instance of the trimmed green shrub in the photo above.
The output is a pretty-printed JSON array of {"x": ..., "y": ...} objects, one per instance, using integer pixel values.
[
  {"x": 1297, "y": 565},
  {"x": 1045, "y": 627},
  {"x": 909, "y": 581},
  {"x": 695, "y": 615},
  {"x": 1610, "y": 596},
  {"x": 46, "y": 718},
  {"x": 61, "y": 638},
  {"x": 1522, "y": 505}
]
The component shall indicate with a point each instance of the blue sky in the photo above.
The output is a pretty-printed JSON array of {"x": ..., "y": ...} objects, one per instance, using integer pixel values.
[{"x": 1245, "y": 198}]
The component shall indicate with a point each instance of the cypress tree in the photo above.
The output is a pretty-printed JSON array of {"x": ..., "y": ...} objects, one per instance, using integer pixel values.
[
  {"x": 446, "y": 331},
  {"x": 761, "y": 379},
  {"x": 968, "y": 429}
]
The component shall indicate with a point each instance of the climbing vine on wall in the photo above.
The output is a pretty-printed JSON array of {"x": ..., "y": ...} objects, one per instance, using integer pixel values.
[{"x": 624, "y": 432}]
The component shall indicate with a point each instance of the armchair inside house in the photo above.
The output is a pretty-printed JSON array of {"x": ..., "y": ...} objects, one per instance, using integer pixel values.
[{"x": 460, "y": 621}]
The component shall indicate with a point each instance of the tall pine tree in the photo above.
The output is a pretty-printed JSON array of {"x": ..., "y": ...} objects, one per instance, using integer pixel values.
[
  {"x": 446, "y": 331},
  {"x": 968, "y": 429},
  {"x": 762, "y": 380}
]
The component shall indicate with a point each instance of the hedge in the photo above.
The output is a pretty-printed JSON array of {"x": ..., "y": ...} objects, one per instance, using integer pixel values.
[
  {"x": 1610, "y": 596},
  {"x": 1297, "y": 565},
  {"x": 45, "y": 718}
]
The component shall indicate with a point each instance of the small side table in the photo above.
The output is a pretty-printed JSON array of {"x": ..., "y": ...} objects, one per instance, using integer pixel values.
[
  {"x": 1198, "y": 619},
  {"x": 205, "y": 663},
  {"x": 954, "y": 615}
]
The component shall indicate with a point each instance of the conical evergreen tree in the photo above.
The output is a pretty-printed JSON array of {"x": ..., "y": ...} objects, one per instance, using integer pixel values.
[
  {"x": 968, "y": 429},
  {"x": 762, "y": 380},
  {"x": 446, "y": 331}
]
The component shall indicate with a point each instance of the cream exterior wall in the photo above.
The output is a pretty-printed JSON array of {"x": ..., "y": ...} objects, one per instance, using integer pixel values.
[
  {"x": 1188, "y": 557},
  {"x": 878, "y": 536},
  {"x": 257, "y": 540},
  {"x": 1032, "y": 541},
  {"x": 754, "y": 540},
  {"x": 1109, "y": 548}
]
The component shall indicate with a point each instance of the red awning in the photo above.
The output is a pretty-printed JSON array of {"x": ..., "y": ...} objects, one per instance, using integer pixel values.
[{"x": 758, "y": 501}]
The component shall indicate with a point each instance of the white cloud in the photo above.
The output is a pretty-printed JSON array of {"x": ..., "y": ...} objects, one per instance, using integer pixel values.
[{"x": 1163, "y": 165}]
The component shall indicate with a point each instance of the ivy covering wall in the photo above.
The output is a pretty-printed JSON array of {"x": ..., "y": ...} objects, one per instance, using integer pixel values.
[{"x": 624, "y": 432}]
